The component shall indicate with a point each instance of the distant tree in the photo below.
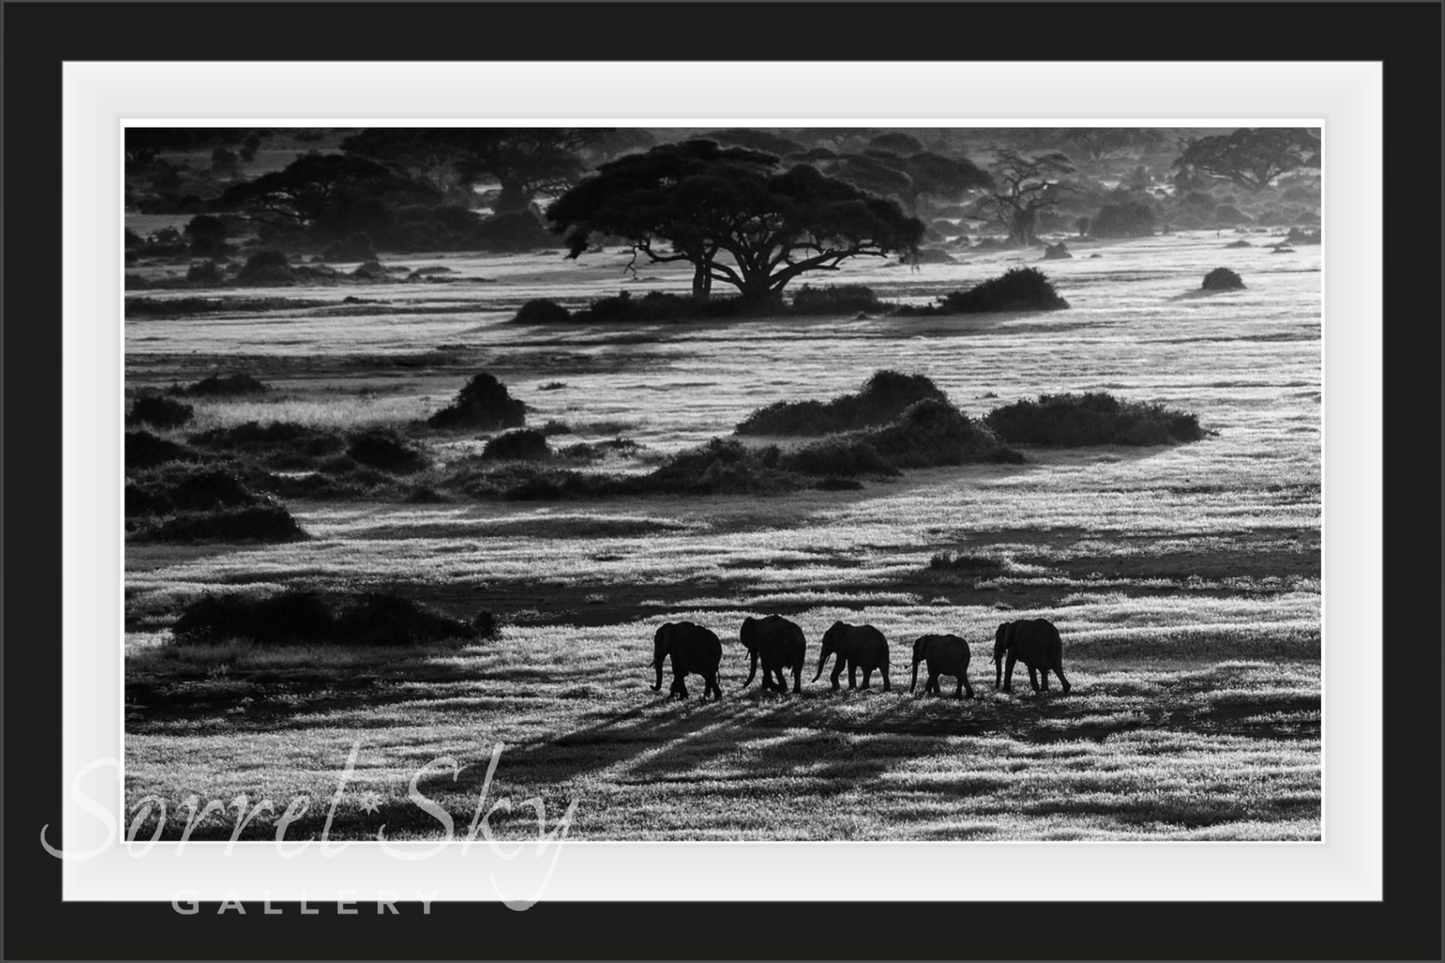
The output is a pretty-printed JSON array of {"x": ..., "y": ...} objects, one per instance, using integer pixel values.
[
  {"x": 753, "y": 139},
  {"x": 897, "y": 143},
  {"x": 1124, "y": 220},
  {"x": 224, "y": 161},
  {"x": 310, "y": 188},
  {"x": 697, "y": 201},
  {"x": 1025, "y": 186},
  {"x": 525, "y": 161},
  {"x": 1099, "y": 142},
  {"x": 1250, "y": 157},
  {"x": 143, "y": 144},
  {"x": 1083, "y": 225},
  {"x": 907, "y": 178},
  {"x": 250, "y": 145}
]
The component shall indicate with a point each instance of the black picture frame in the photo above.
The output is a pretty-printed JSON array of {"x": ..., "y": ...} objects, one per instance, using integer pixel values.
[{"x": 39, "y": 37}]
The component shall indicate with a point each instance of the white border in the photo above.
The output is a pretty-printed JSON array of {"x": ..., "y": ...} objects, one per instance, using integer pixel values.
[{"x": 1344, "y": 98}]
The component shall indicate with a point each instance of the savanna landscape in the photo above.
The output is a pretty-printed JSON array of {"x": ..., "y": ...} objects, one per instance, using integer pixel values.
[{"x": 424, "y": 499}]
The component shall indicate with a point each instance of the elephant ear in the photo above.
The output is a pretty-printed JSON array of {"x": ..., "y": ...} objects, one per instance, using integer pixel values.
[{"x": 663, "y": 639}]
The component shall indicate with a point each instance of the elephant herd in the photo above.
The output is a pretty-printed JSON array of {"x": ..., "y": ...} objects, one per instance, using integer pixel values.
[{"x": 780, "y": 646}]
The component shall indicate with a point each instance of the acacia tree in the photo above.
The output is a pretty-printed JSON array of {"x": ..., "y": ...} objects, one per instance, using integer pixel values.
[
  {"x": 1025, "y": 186},
  {"x": 909, "y": 178},
  {"x": 525, "y": 161},
  {"x": 696, "y": 201},
  {"x": 1250, "y": 157},
  {"x": 300, "y": 195}
]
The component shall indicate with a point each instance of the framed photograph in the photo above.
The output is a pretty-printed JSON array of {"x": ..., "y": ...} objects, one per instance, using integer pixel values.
[{"x": 562, "y": 494}]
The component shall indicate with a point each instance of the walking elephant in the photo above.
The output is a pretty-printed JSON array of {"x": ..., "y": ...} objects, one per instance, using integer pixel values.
[
  {"x": 779, "y": 645},
  {"x": 858, "y": 647},
  {"x": 945, "y": 655},
  {"x": 1035, "y": 643},
  {"x": 693, "y": 650}
]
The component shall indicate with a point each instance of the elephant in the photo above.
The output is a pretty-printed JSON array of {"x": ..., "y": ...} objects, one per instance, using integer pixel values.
[
  {"x": 946, "y": 655},
  {"x": 1036, "y": 643},
  {"x": 780, "y": 645},
  {"x": 693, "y": 649},
  {"x": 858, "y": 647}
]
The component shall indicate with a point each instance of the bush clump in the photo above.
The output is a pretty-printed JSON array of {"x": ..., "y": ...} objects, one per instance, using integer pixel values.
[
  {"x": 305, "y": 618},
  {"x": 218, "y": 385},
  {"x": 962, "y": 563},
  {"x": 483, "y": 403},
  {"x": 1093, "y": 418},
  {"x": 836, "y": 299},
  {"x": 207, "y": 274},
  {"x": 160, "y": 412},
  {"x": 1019, "y": 289},
  {"x": 883, "y": 398},
  {"x": 145, "y": 450},
  {"x": 268, "y": 522},
  {"x": 383, "y": 450},
  {"x": 522, "y": 444},
  {"x": 356, "y": 246},
  {"x": 266, "y": 268},
  {"x": 1222, "y": 279},
  {"x": 933, "y": 432},
  {"x": 1297, "y": 236},
  {"x": 1056, "y": 252},
  {"x": 281, "y": 444},
  {"x": 542, "y": 311},
  {"x": 1123, "y": 220}
]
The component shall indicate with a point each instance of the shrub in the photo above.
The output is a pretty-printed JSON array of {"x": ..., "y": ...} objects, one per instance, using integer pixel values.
[
  {"x": 1123, "y": 220},
  {"x": 210, "y": 491},
  {"x": 933, "y": 432},
  {"x": 425, "y": 495},
  {"x": 1094, "y": 418},
  {"x": 962, "y": 563},
  {"x": 292, "y": 616},
  {"x": 840, "y": 457},
  {"x": 518, "y": 232},
  {"x": 542, "y": 311},
  {"x": 145, "y": 450},
  {"x": 1296, "y": 236},
  {"x": 837, "y": 299},
  {"x": 1227, "y": 215},
  {"x": 218, "y": 385},
  {"x": 1057, "y": 252},
  {"x": 1020, "y": 289},
  {"x": 160, "y": 412},
  {"x": 381, "y": 449},
  {"x": 721, "y": 467},
  {"x": 283, "y": 444},
  {"x": 389, "y": 620},
  {"x": 657, "y": 307},
  {"x": 883, "y": 398},
  {"x": 1223, "y": 279},
  {"x": 206, "y": 273},
  {"x": 260, "y": 523},
  {"x": 523, "y": 444},
  {"x": 265, "y": 268},
  {"x": 1239, "y": 243},
  {"x": 483, "y": 403}
]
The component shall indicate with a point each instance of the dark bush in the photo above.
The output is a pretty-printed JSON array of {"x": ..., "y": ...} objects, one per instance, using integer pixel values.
[
  {"x": 1223, "y": 279},
  {"x": 145, "y": 450},
  {"x": 382, "y": 449},
  {"x": 389, "y": 620},
  {"x": 1123, "y": 220},
  {"x": 425, "y": 495},
  {"x": 839, "y": 457},
  {"x": 266, "y": 268},
  {"x": 961, "y": 563},
  {"x": 1239, "y": 243},
  {"x": 1227, "y": 215},
  {"x": 293, "y": 616},
  {"x": 933, "y": 432},
  {"x": 206, "y": 273},
  {"x": 486, "y": 624},
  {"x": 483, "y": 403},
  {"x": 519, "y": 233},
  {"x": 656, "y": 307},
  {"x": 160, "y": 412},
  {"x": 542, "y": 311},
  {"x": 1056, "y": 252},
  {"x": 1019, "y": 289},
  {"x": 535, "y": 489},
  {"x": 1296, "y": 236},
  {"x": 210, "y": 491},
  {"x": 218, "y": 385},
  {"x": 283, "y": 444},
  {"x": 259, "y": 523},
  {"x": 836, "y": 299},
  {"x": 1094, "y": 418},
  {"x": 720, "y": 467},
  {"x": 523, "y": 444},
  {"x": 883, "y": 398}
]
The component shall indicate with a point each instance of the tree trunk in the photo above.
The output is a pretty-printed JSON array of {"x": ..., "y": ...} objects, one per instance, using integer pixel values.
[
  {"x": 701, "y": 281},
  {"x": 1022, "y": 229},
  {"x": 514, "y": 198}
]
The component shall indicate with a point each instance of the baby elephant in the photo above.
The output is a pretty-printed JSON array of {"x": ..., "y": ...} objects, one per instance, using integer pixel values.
[
  {"x": 946, "y": 655},
  {"x": 693, "y": 650},
  {"x": 858, "y": 647},
  {"x": 1035, "y": 643}
]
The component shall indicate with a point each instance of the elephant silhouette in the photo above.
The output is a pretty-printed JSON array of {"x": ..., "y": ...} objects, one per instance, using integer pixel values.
[
  {"x": 693, "y": 650},
  {"x": 779, "y": 645},
  {"x": 945, "y": 655},
  {"x": 1035, "y": 643},
  {"x": 858, "y": 647}
]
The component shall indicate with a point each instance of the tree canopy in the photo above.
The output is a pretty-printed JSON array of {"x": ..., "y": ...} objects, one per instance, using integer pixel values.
[
  {"x": 1025, "y": 186},
  {"x": 525, "y": 161},
  {"x": 310, "y": 188},
  {"x": 1250, "y": 157},
  {"x": 695, "y": 201}
]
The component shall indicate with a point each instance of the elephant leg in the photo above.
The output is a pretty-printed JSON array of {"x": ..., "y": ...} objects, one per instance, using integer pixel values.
[
  {"x": 797, "y": 680},
  {"x": 966, "y": 687},
  {"x": 1059, "y": 671},
  {"x": 932, "y": 688},
  {"x": 837, "y": 671},
  {"x": 958, "y": 689},
  {"x": 852, "y": 675},
  {"x": 1008, "y": 673},
  {"x": 1033, "y": 679},
  {"x": 1044, "y": 681},
  {"x": 867, "y": 677},
  {"x": 884, "y": 672}
]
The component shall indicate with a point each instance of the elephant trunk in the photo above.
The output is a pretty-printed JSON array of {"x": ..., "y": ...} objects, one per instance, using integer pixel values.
[
  {"x": 752, "y": 669},
  {"x": 914, "y": 683},
  {"x": 657, "y": 686},
  {"x": 997, "y": 671}
]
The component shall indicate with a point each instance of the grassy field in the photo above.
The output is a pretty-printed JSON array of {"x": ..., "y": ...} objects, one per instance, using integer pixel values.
[{"x": 1185, "y": 580}]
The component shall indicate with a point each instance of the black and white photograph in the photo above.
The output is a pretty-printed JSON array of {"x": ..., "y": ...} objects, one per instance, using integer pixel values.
[{"x": 714, "y": 484}]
